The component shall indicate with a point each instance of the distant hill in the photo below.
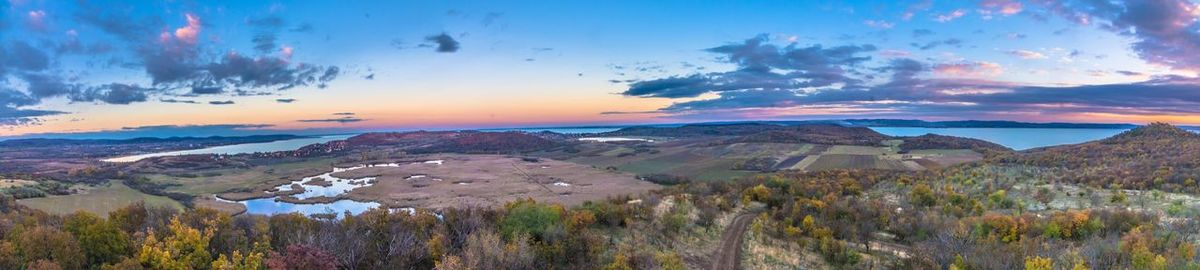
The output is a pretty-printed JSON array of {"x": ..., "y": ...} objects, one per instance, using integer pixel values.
[
  {"x": 934, "y": 141},
  {"x": 695, "y": 130},
  {"x": 490, "y": 142},
  {"x": 38, "y": 142},
  {"x": 1157, "y": 155},
  {"x": 817, "y": 134},
  {"x": 977, "y": 124}
]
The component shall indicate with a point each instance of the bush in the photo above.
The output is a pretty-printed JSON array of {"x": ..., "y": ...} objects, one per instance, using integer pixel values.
[{"x": 529, "y": 217}]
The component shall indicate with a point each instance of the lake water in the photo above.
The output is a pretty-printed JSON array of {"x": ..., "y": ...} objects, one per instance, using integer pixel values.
[
  {"x": 560, "y": 130},
  {"x": 1015, "y": 138},
  {"x": 233, "y": 149},
  {"x": 269, "y": 206}
]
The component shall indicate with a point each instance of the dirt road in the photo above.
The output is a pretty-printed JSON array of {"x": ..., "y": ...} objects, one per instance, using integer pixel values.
[{"x": 729, "y": 255}]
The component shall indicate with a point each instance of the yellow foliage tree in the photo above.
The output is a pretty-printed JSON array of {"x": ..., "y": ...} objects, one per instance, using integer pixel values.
[
  {"x": 185, "y": 248},
  {"x": 252, "y": 261},
  {"x": 1038, "y": 263}
]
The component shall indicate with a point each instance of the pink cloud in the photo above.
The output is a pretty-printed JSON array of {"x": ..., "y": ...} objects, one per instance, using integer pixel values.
[
  {"x": 970, "y": 69},
  {"x": 1024, "y": 54},
  {"x": 958, "y": 13},
  {"x": 189, "y": 33},
  {"x": 895, "y": 53},
  {"x": 881, "y": 24},
  {"x": 1004, "y": 7},
  {"x": 286, "y": 51},
  {"x": 37, "y": 20}
]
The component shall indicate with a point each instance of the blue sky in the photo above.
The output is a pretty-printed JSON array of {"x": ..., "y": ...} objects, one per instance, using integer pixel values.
[{"x": 262, "y": 66}]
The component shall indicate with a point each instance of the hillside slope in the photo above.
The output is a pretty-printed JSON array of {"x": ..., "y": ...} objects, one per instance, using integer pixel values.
[{"x": 1158, "y": 155}]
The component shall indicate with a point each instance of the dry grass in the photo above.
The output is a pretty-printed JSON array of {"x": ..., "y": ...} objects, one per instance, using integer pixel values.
[{"x": 99, "y": 200}]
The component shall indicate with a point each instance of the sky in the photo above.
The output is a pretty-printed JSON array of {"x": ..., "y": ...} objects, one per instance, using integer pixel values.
[{"x": 206, "y": 67}]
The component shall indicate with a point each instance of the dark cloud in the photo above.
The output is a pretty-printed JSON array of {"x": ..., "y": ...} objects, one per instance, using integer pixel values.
[
  {"x": 444, "y": 43},
  {"x": 46, "y": 86},
  {"x": 10, "y": 112},
  {"x": 113, "y": 93},
  {"x": 171, "y": 100},
  {"x": 781, "y": 80},
  {"x": 221, "y": 102},
  {"x": 202, "y": 90},
  {"x": 162, "y": 131},
  {"x": 264, "y": 42},
  {"x": 765, "y": 67},
  {"x": 921, "y": 33},
  {"x": 22, "y": 56},
  {"x": 347, "y": 119},
  {"x": 285, "y": 100},
  {"x": 343, "y": 113},
  {"x": 934, "y": 44},
  {"x": 1166, "y": 32}
]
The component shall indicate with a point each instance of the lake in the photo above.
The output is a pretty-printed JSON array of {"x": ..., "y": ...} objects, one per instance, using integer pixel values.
[
  {"x": 560, "y": 130},
  {"x": 1015, "y": 138},
  {"x": 233, "y": 149}
]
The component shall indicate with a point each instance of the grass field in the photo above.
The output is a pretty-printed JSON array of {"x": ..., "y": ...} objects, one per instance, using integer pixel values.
[
  {"x": 7, "y": 183},
  {"x": 218, "y": 181},
  {"x": 99, "y": 200}
]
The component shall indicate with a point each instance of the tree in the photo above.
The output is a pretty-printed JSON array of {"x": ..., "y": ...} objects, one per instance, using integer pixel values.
[
  {"x": 102, "y": 241},
  {"x": 922, "y": 195},
  {"x": 302, "y": 257},
  {"x": 1038, "y": 263},
  {"x": 50, "y": 244},
  {"x": 531, "y": 218},
  {"x": 251, "y": 261},
  {"x": 184, "y": 248}
]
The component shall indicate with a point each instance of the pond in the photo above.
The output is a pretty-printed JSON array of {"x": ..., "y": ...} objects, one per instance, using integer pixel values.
[{"x": 335, "y": 186}]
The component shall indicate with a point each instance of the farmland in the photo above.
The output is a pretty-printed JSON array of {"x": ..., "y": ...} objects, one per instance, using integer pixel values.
[{"x": 100, "y": 200}]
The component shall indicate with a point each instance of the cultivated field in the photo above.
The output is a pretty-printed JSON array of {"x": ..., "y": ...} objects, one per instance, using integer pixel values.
[{"x": 99, "y": 200}]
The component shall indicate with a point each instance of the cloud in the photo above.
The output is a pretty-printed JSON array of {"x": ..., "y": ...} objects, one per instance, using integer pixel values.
[
  {"x": 201, "y": 90},
  {"x": 1025, "y": 54},
  {"x": 113, "y": 93},
  {"x": 444, "y": 43},
  {"x": 880, "y": 24},
  {"x": 36, "y": 20},
  {"x": 1166, "y": 32},
  {"x": 958, "y": 13},
  {"x": 934, "y": 44},
  {"x": 171, "y": 100},
  {"x": 343, "y": 113},
  {"x": 909, "y": 88},
  {"x": 285, "y": 100},
  {"x": 1003, "y": 7},
  {"x": 347, "y": 119},
  {"x": 221, "y": 102},
  {"x": 162, "y": 131},
  {"x": 921, "y": 33},
  {"x": 189, "y": 33},
  {"x": 22, "y": 56},
  {"x": 969, "y": 69},
  {"x": 763, "y": 66}
]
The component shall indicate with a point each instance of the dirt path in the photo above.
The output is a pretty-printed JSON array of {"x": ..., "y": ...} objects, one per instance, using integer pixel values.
[{"x": 729, "y": 255}]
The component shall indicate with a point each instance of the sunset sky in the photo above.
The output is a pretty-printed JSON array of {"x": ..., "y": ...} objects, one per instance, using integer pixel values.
[{"x": 84, "y": 65}]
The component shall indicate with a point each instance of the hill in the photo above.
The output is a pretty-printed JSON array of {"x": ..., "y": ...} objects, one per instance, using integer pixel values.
[
  {"x": 1157, "y": 155},
  {"x": 816, "y": 134},
  {"x": 934, "y": 141}
]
